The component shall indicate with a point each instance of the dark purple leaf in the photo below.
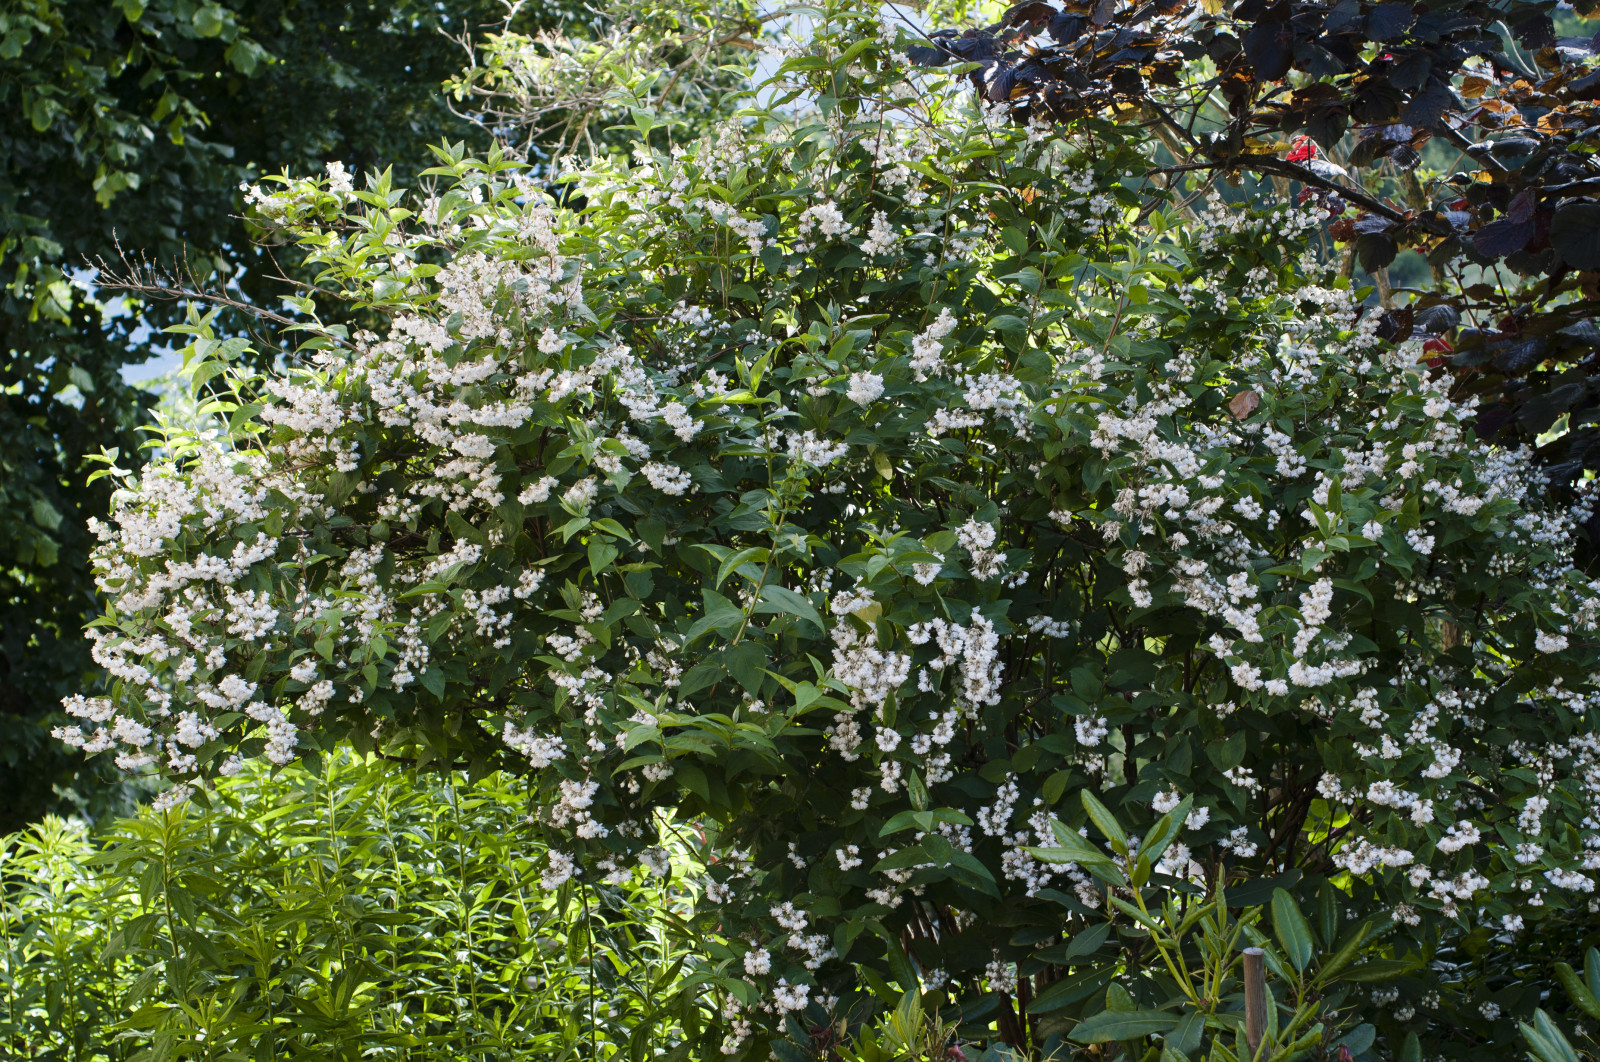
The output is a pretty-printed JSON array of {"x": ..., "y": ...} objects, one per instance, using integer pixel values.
[
  {"x": 1341, "y": 15},
  {"x": 1125, "y": 81},
  {"x": 1269, "y": 46},
  {"x": 1575, "y": 234},
  {"x": 1502, "y": 237},
  {"x": 1491, "y": 420},
  {"x": 1002, "y": 79},
  {"x": 1389, "y": 22},
  {"x": 1535, "y": 32},
  {"x": 1395, "y": 325},
  {"x": 1067, "y": 28},
  {"x": 1405, "y": 156},
  {"x": 1519, "y": 356},
  {"x": 1521, "y": 206},
  {"x": 1376, "y": 250},
  {"x": 1412, "y": 71},
  {"x": 1438, "y": 318},
  {"x": 1428, "y": 106},
  {"x": 1513, "y": 147},
  {"x": 1327, "y": 126},
  {"x": 1036, "y": 12}
]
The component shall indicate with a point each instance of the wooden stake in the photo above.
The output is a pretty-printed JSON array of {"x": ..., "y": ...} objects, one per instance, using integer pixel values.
[{"x": 1255, "y": 1000}]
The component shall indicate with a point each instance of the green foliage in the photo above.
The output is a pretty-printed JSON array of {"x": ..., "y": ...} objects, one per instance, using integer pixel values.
[
  {"x": 354, "y": 912},
  {"x": 894, "y": 494},
  {"x": 1545, "y": 1042}
]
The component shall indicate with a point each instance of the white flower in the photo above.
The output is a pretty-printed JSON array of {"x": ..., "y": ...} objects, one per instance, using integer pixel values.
[
  {"x": 1549, "y": 643},
  {"x": 865, "y": 387},
  {"x": 668, "y": 479},
  {"x": 881, "y": 239}
]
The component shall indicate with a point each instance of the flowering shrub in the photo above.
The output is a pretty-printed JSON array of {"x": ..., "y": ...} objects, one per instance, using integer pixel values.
[{"x": 865, "y": 483}]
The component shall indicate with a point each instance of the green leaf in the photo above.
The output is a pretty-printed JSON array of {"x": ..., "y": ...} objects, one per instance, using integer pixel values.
[
  {"x": 1069, "y": 990},
  {"x": 1228, "y": 754},
  {"x": 1579, "y": 992},
  {"x": 1336, "y": 964},
  {"x": 755, "y": 554},
  {"x": 1380, "y": 970},
  {"x": 1106, "y": 823},
  {"x": 784, "y": 601},
  {"x": 601, "y": 554},
  {"x": 1116, "y": 1025},
  {"x": 208, "y": 20},
  {"x": 747, "y": 663},
  {"x": 1185, "y": 1038},
  {"x": 720, "y": 615},
  {"x": 1546, "y": 1042},
  {"x": 1292, "y": 930},
  {"x": 46, "y": 515},
  {"x": 1071, "y": 847},
  {"x": 1165, "y": 831}
]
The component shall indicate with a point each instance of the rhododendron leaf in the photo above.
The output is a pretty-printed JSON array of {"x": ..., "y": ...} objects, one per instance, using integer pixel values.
[
  {"x": 1116, "y": 1025},
  {"x": 1071, "y": 989},
  {"x": 1380, "y": 970},
  {"x": 1292, "y": 930},
  {"x": 1577, "y": 991},
  {"x": 1071, "y": 847}
]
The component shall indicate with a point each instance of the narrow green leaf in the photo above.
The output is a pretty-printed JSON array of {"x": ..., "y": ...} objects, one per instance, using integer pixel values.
[
  {"x": 1071, "y": 847},
  {"x": 1106, "y": 823},
  {"x": 1292, "y": 929}
]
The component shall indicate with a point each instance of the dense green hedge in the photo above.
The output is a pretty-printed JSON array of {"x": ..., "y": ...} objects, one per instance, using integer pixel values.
[{"x": 353, "y": 912}]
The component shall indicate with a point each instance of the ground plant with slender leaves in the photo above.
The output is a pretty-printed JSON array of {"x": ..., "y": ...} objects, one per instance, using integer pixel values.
[
  {"x": 348, "y": 912},
  {"x": 899, "y": 507}
]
